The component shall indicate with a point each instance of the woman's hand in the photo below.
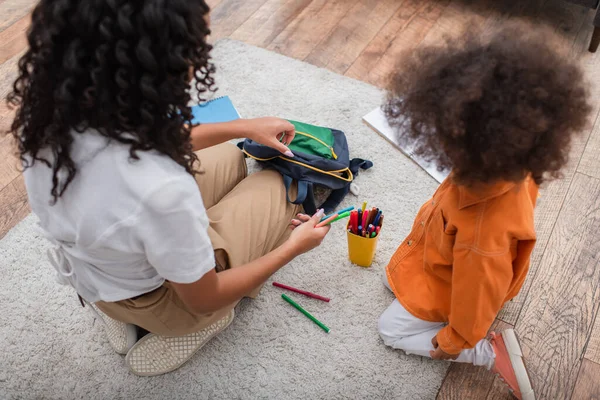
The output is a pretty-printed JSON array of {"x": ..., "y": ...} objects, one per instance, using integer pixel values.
[
  {"x": 273, "y": 132},
  {"x": 305, "y": 236}
]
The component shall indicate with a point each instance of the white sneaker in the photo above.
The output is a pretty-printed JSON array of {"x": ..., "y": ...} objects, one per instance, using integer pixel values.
[
  {"x": 121, "y": 336},
  {"x": 155, "y": 355}
]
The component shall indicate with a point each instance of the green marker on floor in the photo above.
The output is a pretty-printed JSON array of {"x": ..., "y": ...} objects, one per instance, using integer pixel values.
[{"x": 303, "y": 311}]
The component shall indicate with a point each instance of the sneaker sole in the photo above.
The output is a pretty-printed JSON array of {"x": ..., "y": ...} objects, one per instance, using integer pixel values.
[
  {"x": 129, "y": 335},
  {"x": 516, "y": 359},
  {"x": 173, "y": 358}
]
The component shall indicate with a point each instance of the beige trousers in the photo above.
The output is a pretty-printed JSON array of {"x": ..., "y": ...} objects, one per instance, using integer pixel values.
[{"x": 249, "y": 217}]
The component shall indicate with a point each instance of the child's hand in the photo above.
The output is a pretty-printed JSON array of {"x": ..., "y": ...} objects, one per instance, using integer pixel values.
[
  {"x": 438, "y": 353},
  {"x": 273, "y": 132}
]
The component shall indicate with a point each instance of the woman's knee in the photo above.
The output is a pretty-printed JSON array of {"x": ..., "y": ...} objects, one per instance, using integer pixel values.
[{"x": 234, "y": 157}]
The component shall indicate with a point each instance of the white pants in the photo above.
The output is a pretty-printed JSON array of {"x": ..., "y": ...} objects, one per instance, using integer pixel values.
[{"x": 401, "y": 330}]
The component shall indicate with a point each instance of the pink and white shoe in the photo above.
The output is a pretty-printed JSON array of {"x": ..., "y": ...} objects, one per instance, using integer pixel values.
[{"x": 509, "y": 365}]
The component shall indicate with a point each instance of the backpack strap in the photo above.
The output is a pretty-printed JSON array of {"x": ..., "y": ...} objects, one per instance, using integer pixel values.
[
  {"x": 305, "y": 194},
  {"x": 336, "y": 196}
]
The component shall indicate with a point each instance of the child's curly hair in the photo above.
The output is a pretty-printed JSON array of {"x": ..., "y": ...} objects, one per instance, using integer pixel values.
[{"x": 496, "y": 109}]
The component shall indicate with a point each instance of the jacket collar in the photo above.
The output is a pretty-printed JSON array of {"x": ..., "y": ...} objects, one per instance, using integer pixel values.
[{"x": 472, "y": 195}]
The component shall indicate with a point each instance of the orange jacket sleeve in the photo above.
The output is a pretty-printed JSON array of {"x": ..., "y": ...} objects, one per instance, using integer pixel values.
[{"x": 480, "y": 282}]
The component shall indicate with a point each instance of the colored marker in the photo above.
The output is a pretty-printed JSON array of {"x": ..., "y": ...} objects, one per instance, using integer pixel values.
[
  {"x": 381, "y": 220},
  {"x": 338, "y": 212},
  {"x": 364, "y": 221},
  {"x": 303, "y": 311},
  {"x": 377, "y": 230},
  {"x": 304, "y": 292},
  {"x": 364, "y": 206},
  {"x": 341, "y": 216},
  {"x": 327, "y": 221},
  {"x": 372, "y": 214},
  {"x": 376, "y": 219},
  {"x": 333, "y": 218},
  {"x": 373, "y": 234},
  {"x": 353, "y": 220}
]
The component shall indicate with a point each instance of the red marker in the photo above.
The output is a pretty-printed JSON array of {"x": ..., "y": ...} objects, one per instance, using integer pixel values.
[{"x": 304, "y": 292}]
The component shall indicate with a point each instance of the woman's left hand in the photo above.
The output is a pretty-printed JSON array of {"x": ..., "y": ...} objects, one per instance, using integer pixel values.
[{"x": 273, "y": 132}]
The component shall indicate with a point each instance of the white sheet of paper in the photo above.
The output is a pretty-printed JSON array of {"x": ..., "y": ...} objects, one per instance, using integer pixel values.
[{"x": 378, "y": 122}]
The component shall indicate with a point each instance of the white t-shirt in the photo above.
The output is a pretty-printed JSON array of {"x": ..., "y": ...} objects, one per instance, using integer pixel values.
[{"x": 122, "y": 226}]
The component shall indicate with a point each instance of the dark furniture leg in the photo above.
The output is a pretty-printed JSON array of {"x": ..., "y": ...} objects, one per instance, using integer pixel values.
[{"x": 595, "y": 39}]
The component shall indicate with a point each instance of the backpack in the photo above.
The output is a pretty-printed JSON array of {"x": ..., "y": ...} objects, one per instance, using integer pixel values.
[{"x": 321, "y": 157}]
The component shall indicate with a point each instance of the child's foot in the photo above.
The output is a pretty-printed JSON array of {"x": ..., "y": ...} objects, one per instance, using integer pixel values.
[
  {"x": 121, "y": 336},
  {"x": 509, "y": 365},
  {"x": 156, "y": 355}
]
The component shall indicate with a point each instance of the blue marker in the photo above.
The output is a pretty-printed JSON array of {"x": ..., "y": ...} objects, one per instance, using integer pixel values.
[{"x": 376, "y": 219}]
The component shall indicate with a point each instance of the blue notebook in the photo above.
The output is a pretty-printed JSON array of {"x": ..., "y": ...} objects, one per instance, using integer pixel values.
[{"x": 220, "y": 109}]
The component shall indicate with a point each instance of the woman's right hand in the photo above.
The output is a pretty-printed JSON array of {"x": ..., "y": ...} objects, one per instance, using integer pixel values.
[{"x": 305, "y": 236}]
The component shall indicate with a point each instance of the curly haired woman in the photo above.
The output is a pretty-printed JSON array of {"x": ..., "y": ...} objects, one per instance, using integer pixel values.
[
  {"x": 500, "y": 114},
  {"x": 155, "y": 222}
]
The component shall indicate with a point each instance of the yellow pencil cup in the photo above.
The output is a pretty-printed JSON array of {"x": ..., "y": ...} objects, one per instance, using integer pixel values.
[{"x": 361, "y": 250}]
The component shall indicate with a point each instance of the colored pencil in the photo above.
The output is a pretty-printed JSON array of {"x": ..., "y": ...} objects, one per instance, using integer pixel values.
[
  {"x": 304, "y": 292},
  {"x": 303, "y": 311}
]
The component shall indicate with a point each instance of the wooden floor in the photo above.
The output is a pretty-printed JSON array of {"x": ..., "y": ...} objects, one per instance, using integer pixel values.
[{"x": 556, "y": 312}]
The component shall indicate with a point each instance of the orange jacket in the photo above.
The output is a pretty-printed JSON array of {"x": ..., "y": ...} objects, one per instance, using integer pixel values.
[{"x": 467, "y": 254}]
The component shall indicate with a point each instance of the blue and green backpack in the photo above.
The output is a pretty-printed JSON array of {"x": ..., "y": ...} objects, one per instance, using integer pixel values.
[{"x": 321, "y": 157}]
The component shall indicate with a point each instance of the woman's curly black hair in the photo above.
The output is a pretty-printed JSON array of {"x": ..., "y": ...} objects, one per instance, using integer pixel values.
[
  {"x": 121, "y": 67},
  {"x": 490, "y": 110}
]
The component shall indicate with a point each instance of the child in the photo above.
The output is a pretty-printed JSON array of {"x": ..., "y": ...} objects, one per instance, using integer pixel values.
[
  {"x": 104, "y": 132},
  {"x": 500, "y": 114}
]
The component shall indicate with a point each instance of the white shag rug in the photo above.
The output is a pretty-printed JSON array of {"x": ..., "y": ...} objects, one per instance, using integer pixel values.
[{"x": 53, "y": 348}]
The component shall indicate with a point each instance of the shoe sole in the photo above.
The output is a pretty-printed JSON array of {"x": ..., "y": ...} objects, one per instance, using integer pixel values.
[
  {"x": 142, "y": 367},
  {"x": 516, "y": 359},
  {"x": 130, "y": 331},
  {"x": 131, "y": 335}
]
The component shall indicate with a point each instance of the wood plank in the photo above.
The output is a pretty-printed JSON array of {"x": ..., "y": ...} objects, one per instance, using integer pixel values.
[
  {"x": 269, "y": 21},
  {"x": 467, "y": 381},
  {"x": 590, "y": 162},
  {"x": 592, "y": 351},
  {"x": 368, "y": 60},
  {"x": 353, "y": 34},
  {"x": 213, "y": 3},
  {"x": 9, "y": 163},
  {"x": 559, "y": 313},
  {"x": 8, "y": 74},
  {"x": 457, "y": 17},
  {"x": 410, "y": 37},
  {"x": 13, "y": 205},
  {"x": 313, "y": 24},
  {"x": 553, "y": 193},
  {"x": 228, "y": 15},
  {"x": 13, "y": 39},
  {"x": 12, "y": 11},
  {"x": 588, "y": 382}
]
